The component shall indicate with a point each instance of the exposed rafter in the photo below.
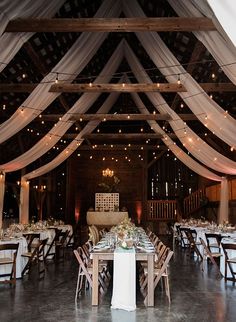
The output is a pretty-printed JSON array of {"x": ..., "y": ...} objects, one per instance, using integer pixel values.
[
  {"x": 109, "y": 24},
  {"x": 73, "y": 88},
  {"x": 123, "y": 136},
  {"x": 120, "y": 117}
]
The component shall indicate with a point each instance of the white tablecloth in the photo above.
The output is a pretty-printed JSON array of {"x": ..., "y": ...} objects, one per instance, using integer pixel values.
[
  {"x": 231, "y": 253},
  {"x": 20, "y": 261},
  {"x": 124, "y": 280}
]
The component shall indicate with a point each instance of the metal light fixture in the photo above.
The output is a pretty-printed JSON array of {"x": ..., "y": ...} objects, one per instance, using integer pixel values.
[{"x": 107, "y": 173}]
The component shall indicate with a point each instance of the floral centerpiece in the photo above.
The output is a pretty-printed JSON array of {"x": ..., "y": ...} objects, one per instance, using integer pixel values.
[
  {"x": 110, "y": 185},
  {"x": 125, "y": 232}
]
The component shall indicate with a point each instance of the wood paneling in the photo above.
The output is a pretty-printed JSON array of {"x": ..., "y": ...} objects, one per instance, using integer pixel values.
[
  {"x": 87, "y": 174},
  {"x": 110, "y": 24}
]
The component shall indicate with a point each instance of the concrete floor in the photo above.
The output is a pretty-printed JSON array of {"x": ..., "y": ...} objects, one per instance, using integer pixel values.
[{"x": 195, "y": 297}]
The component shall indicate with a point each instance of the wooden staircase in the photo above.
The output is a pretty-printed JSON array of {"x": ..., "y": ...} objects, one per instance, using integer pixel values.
[
  {"x": 194, "y": 202},
  {"x": 170, "y": 210}
]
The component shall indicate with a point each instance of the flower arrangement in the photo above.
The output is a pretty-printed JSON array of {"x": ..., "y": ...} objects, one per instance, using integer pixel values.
[
  {"x": 125, "y": 230},
  {"x": 110, "y": 187}
]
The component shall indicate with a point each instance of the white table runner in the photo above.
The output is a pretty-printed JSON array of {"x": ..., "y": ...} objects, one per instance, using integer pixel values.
[{"x": 124, "y": 280}]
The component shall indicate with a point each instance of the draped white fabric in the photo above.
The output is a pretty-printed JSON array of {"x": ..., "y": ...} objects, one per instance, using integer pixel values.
[
  {"x": 78, "y": 57},
  {"x": 124, "y": 280},
  {"x": 12, "y": 42},
  {"x": 24, "y": 209},
  {"x": 81, "y": 106},
  {"x": 179, "y": 153},
  {"x": 2, "y": 192},
  {"x": 73, "y": 62},
  {"x": 24, "y": 200},
  {"x": 24, "y": 9},
  {"x": 216, "y": 42},
  {"x": 202, "y": 151},
  {"x": 196, "y": 99},
  {"x": 223, "y": 212},
  {"x": 225, "y": 12}
]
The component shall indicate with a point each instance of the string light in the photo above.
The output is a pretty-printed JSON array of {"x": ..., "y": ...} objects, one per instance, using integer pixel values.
[
  {"x": 56, "y": 80},
  {"x": 178, "y": 81}
]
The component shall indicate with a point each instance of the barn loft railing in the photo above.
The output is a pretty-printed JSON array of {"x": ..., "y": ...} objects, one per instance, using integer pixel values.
[
  {"x": 193, "y": 202},
  {"x": 162, "y": 210}
]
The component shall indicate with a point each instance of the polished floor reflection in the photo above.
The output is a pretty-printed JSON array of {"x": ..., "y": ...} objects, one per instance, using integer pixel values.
[{"x": 195, "y": 297}]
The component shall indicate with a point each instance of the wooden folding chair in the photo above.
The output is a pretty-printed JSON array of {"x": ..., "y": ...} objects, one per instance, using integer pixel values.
[
  {"x": 176, "y": 239},
  {"x": 230, "y": 260},
  {"x": 60, "y": 244},
  {"x": 36, "y": 256},
  {"x": 9, "y": 259},
  {"x": 193, "y": 244},
  {"x": 32, "y": 240},
  {"x": 94, "y": 234},
  {"x": 70, "y": 241},
  {"x": 51, "y": 250},
  {"x": 85, "y": 273},
  {"x": 161, "y": 271},
  {"x": 183, "y": 237},
  {"x": 213, "y": 241},
  {"x": 207, "y": 254}
]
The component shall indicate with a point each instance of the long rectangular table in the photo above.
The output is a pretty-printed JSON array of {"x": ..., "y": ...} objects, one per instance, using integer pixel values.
[
  {"x": 109, "y": 255},
  {"x": 20, "y": 261}
]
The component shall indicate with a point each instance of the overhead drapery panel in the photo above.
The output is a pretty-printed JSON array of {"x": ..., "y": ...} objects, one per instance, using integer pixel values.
[
  {"x": 224, "y": 126},
  {"x": 217, "y": 43},
  {"x": 46, "y": 143},
  {"x": 24, "y": 200},
  {"x": 24, "y": 206},
  {"x": 223, "y": 212},
  {"x": 2, "y": 192},
  {"x": 81, "y": 106},
  {"x": 26, "y": 9},
  {"x": 71, "y": 64},
  {"x": 12, "y": 42},
  {"x": 225, "y": 12},
  {"x": 199, "y": 148}
]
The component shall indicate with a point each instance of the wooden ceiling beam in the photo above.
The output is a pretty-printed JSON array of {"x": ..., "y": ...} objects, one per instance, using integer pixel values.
[
  {"x": 110, "y": 117},
  {"x": 71, "y": 88},
  {"x": 122, "y": 136},
  {"x": 120, "y": 117},
  {"x": 218, "y": 87},
  {"x": 121, "y": 147},
  {"x": 110, "y": 24},
  {"x": 74, "y": 88},
  {"x": 106, "y": 137},
  {"x": 17, "y": 88}
]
